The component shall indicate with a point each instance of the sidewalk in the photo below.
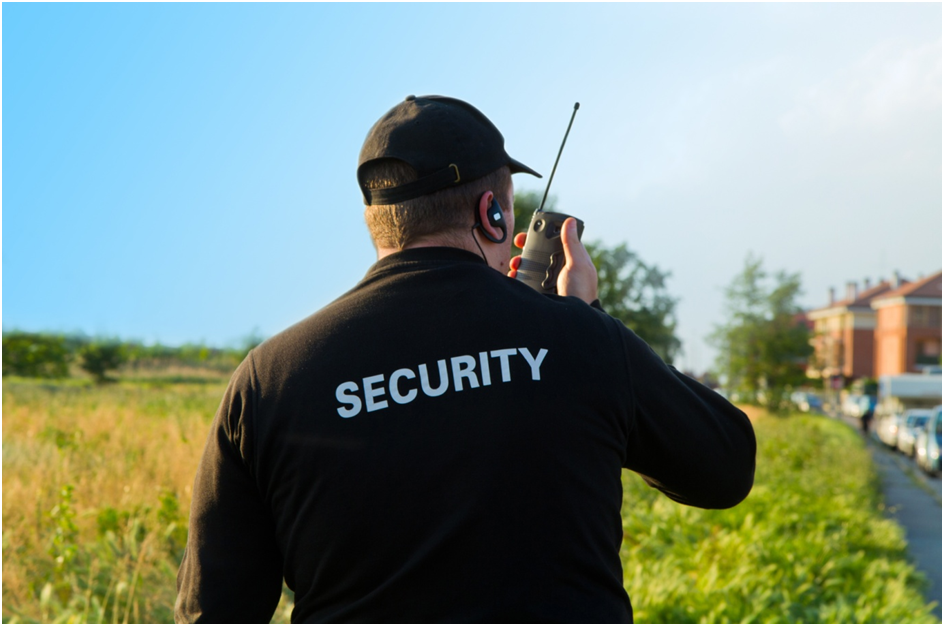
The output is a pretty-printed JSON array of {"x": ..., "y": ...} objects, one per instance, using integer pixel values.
[{"x": 914, "y": 500}]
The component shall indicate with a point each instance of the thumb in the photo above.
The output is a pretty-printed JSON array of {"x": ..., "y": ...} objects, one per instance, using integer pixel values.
[
  {"x": 571, "y": 241},
  {"x": 578, "y": 276}
]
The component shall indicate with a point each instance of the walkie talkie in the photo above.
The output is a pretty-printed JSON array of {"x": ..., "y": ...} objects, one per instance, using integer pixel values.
[{"x": 543, "y": 254}]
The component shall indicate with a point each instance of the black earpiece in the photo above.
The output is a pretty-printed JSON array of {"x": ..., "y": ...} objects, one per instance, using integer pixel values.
[{"x": 496, "y": 219}]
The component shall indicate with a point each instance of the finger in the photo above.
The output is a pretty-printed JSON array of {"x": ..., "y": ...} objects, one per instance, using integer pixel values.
[
  {"x": 515, "y": 262},
  {"x": 519, "y": 240}
]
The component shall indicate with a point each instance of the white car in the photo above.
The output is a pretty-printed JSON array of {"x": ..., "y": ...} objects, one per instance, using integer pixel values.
[
  {"x": 806, "y": 401},
  {"x": 887, "y": 429},
  {"x": 928, "y": 445},
  {"x": 850, "y": 405},
  {"x": 914, "y": 419}
]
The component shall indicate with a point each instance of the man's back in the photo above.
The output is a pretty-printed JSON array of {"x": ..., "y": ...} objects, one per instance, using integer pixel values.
[{"x": 443, "y": 443}]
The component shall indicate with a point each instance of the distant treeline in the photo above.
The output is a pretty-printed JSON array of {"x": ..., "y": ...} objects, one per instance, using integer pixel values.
[{"x": 48, "y": 355}]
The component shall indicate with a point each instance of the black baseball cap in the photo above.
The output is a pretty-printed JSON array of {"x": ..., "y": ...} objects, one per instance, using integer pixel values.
[{"x": 447, "y": 141}]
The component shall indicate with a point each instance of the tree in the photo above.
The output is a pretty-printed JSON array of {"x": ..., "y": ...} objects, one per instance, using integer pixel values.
[
  {"x": 763, "y": 347},
  {"x": 35, "y": 355},
  {"x": 634, "y": 293},
  {"x": 97, "y": 358},
  {"x": 629, "y": 289}
]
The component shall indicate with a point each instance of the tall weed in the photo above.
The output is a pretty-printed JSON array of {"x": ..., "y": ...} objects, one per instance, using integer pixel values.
[{"x": 96, "y": 487}]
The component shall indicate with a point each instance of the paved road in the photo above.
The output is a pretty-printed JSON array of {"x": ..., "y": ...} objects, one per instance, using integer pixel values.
[
  {"x": 933, "y": 482},
  {"x": 914, "y": 500},
  {"x": 919, "y": 513}
]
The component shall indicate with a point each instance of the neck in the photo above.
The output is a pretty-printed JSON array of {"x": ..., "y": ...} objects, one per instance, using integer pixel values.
[
  {"x": 462, "y": 243},
  {"x": 382, "y": 252}
]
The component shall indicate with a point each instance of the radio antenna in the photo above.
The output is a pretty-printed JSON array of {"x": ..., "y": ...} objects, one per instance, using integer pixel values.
[{"x": 551, "y": 179}]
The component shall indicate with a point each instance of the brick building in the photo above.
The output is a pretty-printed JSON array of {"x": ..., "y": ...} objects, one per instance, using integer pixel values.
[
  {"x": 844, "y": 333},
  {"x": 908, "y": 327}
]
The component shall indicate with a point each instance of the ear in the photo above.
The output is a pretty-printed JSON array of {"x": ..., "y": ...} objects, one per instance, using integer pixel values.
[{"x": 491, "y": 218}]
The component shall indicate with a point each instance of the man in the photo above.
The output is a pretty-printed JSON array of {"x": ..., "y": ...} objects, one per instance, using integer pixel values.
[{"x": 442, "y": 443}]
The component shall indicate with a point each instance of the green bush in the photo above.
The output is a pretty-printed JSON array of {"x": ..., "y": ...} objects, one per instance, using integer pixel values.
[
  {"x": 35, "y": 355},
  {"x": 99, "y": 358},
  {"x": 42, "y": 355}
]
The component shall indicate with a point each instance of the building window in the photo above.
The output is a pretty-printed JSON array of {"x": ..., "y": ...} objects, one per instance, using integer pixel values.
[
  {"x": 929, "y": 352},
  {"x": 924, "y": 316}
]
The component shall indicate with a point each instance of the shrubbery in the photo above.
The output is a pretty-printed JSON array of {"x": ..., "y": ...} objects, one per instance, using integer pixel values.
[
  {"x": 36, "y": 355},
  {"x": 39, "y": 355},
  {"x": 99, "y": 358}
]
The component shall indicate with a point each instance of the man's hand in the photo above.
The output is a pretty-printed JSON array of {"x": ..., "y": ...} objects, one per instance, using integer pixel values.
[{"x": 578, "y": 277}]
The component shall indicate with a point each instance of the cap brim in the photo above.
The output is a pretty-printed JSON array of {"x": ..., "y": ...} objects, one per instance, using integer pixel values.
[{"x": 517, "y": 167}]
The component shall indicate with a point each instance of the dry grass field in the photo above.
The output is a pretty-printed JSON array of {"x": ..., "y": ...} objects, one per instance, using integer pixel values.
[{"x": 96, "y": 490}]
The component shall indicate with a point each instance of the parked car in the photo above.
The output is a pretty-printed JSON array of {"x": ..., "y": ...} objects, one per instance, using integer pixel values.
[
  {"x": 914, "y": 419},
  {"x": 887, "y": 429},
  {"x": 928, "y": 445},
  {"x": 850, "y": 405},
  {"x": 857, "y": 405},
  {"x": 806, "y": 401}
]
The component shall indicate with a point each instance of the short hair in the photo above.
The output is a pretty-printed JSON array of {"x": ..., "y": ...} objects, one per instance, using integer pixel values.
[{"x": 447, "y": 212}]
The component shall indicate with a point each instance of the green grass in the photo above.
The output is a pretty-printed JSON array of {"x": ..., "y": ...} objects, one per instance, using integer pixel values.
[
  {"x": 810, "y": 544},
  {"x": 96, "y": 486}
]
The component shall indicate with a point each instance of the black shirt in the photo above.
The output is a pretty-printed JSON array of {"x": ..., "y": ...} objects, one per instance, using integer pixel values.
[{"x": 442, "y": 444}]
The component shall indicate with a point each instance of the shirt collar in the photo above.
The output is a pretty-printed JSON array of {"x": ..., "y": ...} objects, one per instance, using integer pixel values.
[{"x": 420, "y": 256}]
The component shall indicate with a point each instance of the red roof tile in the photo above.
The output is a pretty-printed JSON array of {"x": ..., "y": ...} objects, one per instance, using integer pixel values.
[
  {"x": 863, "y": 299},
  {"x": 929, "y": 287}
]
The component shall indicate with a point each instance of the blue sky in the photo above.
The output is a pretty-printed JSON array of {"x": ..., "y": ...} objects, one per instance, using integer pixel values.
[{"x": 184, "y": 172}]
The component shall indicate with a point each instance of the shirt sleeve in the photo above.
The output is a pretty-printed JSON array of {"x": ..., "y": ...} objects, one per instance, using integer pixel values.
[
  {"x": 232, "y": 567},
  {"x": 685, "y": 440}
]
